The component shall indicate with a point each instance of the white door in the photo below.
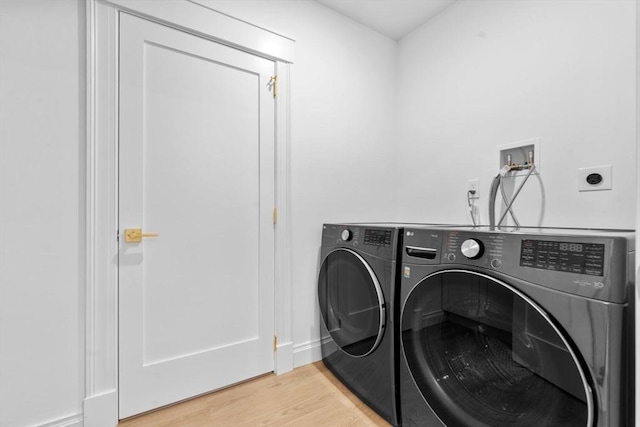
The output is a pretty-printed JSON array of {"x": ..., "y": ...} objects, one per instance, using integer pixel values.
[{"x": 196, "y": 166}]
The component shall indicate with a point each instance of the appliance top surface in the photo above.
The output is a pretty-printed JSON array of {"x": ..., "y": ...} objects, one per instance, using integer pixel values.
[
  {"x": 515, "y": 230},
  {"x": 391, "y": 224},
  {"x": 549, "y": 231},
  {"x": 555, "y": 231},
  {"x": 542, "y": 230}
]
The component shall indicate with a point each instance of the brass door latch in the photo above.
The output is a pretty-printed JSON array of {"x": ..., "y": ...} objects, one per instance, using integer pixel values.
[{"x": 135, "y": 235}]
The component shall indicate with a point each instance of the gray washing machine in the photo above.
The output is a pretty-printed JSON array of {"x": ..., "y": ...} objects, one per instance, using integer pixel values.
[{"x": 532, "y": 327}]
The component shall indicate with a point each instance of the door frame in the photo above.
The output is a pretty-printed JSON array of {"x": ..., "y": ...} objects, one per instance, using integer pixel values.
[{"x": 101, "y": 316}]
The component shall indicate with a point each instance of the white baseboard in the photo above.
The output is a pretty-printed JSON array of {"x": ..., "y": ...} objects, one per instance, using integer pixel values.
[
  {"x": 71, "y": 421},
  {"x": 284, "y": 358},
  {"x": 306, "y": 353},
  {"x": 101, "y": 410}
]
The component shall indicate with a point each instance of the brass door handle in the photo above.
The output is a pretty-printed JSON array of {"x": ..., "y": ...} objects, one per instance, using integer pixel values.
[{"x": 135, "y": 235}]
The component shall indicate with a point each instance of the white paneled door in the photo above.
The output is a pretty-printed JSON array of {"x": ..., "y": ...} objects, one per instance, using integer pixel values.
[{"x": 196, "y": 166}]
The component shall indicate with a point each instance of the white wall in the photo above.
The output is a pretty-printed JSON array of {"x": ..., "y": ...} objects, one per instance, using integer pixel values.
[
  {"x": 488, "y": 73},
  {"x": 342, "y": 165},
  {"x": 41, "y": 210},
  {"x": 343, "y": 141}
]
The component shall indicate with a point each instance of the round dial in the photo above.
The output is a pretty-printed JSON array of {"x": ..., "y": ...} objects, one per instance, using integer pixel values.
[
  {"x": 346, "y": 235},
  {"x": 472, "y": 248}
]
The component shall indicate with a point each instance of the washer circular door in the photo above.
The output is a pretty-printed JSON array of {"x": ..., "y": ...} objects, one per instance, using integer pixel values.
[
  {"x": 482, "y": 353},
  {"x": 351, "y": 302}
]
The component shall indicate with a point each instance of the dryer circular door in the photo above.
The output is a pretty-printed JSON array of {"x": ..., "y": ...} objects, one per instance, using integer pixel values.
[
  {"x": 481, "y": 353},
  {"x": 351, "y": 302}
]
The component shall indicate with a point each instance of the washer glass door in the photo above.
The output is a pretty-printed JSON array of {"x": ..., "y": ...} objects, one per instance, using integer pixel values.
[
  {"x": 483, "y": 354},
  {"x": 351, "y": 302}
]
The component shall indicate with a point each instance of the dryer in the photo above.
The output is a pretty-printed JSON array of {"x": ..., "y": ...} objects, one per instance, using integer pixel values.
[
  {"x": 530, "y": 327},
  {"x": 357, "y": 298}
]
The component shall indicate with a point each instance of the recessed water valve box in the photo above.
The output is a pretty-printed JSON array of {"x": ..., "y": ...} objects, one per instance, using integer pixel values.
[
  {"x": 595, "y": 178},
  {"x": 518, "y": 155}
]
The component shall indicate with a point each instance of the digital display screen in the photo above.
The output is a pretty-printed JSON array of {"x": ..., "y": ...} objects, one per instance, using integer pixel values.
[
  {"x": 570, "y": 257},
  {"x": 571, "y": 247},
  {"x": 377, "y": 237}
]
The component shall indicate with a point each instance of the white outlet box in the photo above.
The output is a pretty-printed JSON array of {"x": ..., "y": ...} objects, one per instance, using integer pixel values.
[
  {"x": 474, "y": 188},
  {"x": 596, "y": 178},
  {"x": 519, "y": 152}
]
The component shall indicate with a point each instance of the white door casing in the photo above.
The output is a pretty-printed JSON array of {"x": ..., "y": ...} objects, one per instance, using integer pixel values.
[{"x": 196, "y": 165}]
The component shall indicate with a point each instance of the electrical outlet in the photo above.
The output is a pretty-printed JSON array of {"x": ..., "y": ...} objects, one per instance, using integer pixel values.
[
  {"x": 595, "y": 178},
  {"x": 474, "y": 188}
]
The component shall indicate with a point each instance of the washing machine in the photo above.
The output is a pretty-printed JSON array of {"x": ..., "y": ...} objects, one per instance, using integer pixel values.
[
  {"x": 529, "y": 327},
  {"x": 357, "y": 298}
]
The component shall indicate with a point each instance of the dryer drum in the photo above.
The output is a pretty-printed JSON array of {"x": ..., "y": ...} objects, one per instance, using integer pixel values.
[
  {"x": 482, "y": 354},
  {"x": 351, "y": 302}
]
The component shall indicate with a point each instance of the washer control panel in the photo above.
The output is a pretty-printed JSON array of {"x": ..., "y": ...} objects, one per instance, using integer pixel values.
[
  {"x": 472, "y": 248},
  {"x": 484, "y": 249},
  {"x": 591, "y": 263},
  {"x": 570, "y": 257}
]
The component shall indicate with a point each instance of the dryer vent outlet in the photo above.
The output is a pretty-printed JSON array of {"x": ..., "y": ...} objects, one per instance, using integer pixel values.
[{"x": 595, "y": 178}]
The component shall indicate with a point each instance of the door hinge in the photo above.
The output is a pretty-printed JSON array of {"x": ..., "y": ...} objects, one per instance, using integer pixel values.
[
  {"x": 273, "y": 82},
  {"x": 275, "y": 343},
  {"x": 275, "y": 215}
]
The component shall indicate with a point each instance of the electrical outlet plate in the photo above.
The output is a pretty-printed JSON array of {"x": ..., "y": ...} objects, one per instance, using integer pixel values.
[
  {"x": 474, "y": 185},
  {"x": 604, "y": 171},
  {"x": 519, "y": 154}
]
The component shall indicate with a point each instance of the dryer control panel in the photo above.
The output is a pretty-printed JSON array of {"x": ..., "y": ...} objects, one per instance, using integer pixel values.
[
  {"x": 380, "y": 241},
  {"x": 377, "y": 237}
]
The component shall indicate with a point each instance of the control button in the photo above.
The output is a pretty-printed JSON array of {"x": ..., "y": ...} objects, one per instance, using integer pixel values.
[
  {"x": 472, "y": 248},
  {"x": 496, "y": 263},
  {"x": 346, "y": 235},
  {"x": 451, "y": 257}
]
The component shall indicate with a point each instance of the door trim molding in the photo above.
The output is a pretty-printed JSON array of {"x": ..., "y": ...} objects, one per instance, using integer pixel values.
[
  {"x": 636, "y": 383},
  {"x": 200, "y": 18},
  {"x": 283, "y": 269},
  {"x": 101, "y": 333}
]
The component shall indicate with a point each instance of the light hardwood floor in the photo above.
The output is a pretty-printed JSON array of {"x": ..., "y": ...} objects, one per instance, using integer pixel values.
[{"x": 307, "y": 396}]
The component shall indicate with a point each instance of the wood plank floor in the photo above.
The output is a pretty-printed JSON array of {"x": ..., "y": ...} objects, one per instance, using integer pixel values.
[{"x": 308, "y": 396}]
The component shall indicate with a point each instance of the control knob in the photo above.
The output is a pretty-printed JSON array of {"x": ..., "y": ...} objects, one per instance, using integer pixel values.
[
  {"x": 346, "y": 235},
  {"x": 472, "y": 248}
]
